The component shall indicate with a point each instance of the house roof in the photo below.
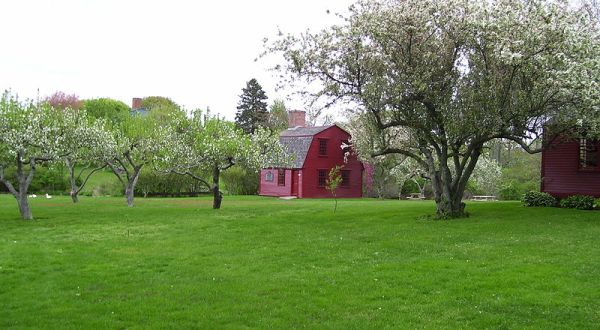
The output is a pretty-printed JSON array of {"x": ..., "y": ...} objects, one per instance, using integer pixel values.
[
  {"x": 304, "y": 131},
  {"x": 298, "y": 147},
  {"x": 297, "y": 141}
]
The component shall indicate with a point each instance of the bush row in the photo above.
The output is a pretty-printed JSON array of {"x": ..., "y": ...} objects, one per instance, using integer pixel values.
[
  {"x": 50, "y": 180},
  {"x": 580, "y": 202}
]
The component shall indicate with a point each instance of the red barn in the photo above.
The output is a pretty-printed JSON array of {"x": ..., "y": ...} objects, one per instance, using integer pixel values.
[
  {"x": 316, "y": 151},
  {"x": 571, "y": 167}
]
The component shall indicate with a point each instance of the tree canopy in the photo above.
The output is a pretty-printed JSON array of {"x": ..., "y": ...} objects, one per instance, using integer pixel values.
[
  {"x": 32, "y": 134},
  {"x": 443, "y": 77},
  {"x": 211, "y": 145},
  {"x": 110, "y": 109},
  {"x": 138, "y": 141},
  {"x": 62, "y": 100},
  {"x": 278, "y": 116},
  {"x": 162, "y": 109}
]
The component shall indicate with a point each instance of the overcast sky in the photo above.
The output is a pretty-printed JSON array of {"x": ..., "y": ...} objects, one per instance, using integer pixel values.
[{"x": 198, "y": 53}]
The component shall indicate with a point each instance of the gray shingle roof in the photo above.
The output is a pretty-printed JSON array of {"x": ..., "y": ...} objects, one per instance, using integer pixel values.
[
  {"x": 297, "y": 141},
  {"x": 304, "y": 131},
  {"x": 298, "y": 147}
]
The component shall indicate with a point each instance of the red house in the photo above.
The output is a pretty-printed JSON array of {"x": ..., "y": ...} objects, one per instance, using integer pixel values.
[
  {"x": 316, "y": 151},
  {"x": 571, "y": 167}
]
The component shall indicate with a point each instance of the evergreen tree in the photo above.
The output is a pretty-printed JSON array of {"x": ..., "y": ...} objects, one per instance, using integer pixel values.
[{"x": 252, "y": 108}]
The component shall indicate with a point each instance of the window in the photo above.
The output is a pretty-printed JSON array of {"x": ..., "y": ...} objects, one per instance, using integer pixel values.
[
  {"x": 322, "y": 147},
  {"x": 281, "y": 177},
  {"x": 588, "y": 154},
  {"x": 269, "y": 176},
  {"x": 345, "y": 179},
  {"x": 322, "y": 178}
]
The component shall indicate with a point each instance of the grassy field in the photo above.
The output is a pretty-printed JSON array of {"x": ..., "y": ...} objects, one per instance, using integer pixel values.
[{"x": 268, "y": 263}]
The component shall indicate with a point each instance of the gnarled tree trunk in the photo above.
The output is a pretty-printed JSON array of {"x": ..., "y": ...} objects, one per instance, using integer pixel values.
[
  {"x": 24, "y": 208},
  {"x": 448, "y": 187},
  {"x": 75, "y": 190},
  {"x": 73, "y": 181},
  {"x": 130, "y": 188},
  {"x": 217, "y": 195},
  {"x": 24, "y": 180}
]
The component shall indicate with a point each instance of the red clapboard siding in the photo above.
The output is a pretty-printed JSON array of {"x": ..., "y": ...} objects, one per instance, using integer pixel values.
[
  {"x": 272, "y": 188},
  {"x": 335, "y": 156},
  {"x": 561, "y": 175}
]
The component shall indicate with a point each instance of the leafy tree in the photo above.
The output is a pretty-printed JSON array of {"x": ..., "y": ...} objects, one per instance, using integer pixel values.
[
  {"x": 278, "y": 116},
  {"x": 157, "y": 102},
  {"x": 138, "y": 141},
  {"x": 388, "y": 172},
  {"x": 61, "y": 100},
  {"x": 162, "y": 109},
  {"x": 31, "y": 135},
  {"x": 592, "y": 7},
  {"x": 409, "y": 170},
  {"x": 334, "y": 179},
  {"x": 166, "y": 184},
  {"x": 206, "y": 144},
  {"x": 451, "y": 75},
  {"x": 252, "y": 108},
  {"x": 91, "y": 148},
  {"x": 112, "y": 110},
  {"x": 487, "y": 176}
]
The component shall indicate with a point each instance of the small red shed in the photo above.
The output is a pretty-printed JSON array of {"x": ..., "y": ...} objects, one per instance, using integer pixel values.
[
  {"x": 316, "y": 151},
  {"x": 571, "y": 167}
]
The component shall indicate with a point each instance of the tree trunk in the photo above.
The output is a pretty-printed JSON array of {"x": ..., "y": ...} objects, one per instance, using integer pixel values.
[
  {"x": 217, "y": 195},
  {"x": 24, "y": 208},
  {"x": 447, "y": 200},
  {"x": 74, "y": 189},
  {"x": 449, "y": 207},
  {"x": 130, "y": 189},
  {"x": 129, "y": 194},
  {"x": 24, "y": 180},
  {"x": 24, "y": 183},
  {"x": 335, "y": 205},
  {"x": 448, "y": 189},
  {"x": 74, "y": 196}
]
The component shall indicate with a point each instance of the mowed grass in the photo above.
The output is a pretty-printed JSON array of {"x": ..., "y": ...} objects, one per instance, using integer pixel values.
[{"x": 269, "y": 263}]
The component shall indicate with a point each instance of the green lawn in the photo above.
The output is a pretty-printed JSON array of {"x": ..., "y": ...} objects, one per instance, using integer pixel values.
[{"x": 268, "y": 263}]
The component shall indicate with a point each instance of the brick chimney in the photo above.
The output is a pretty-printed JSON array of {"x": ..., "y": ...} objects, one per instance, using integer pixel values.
[
  {"x": 136, "y": 103},
  {"x": 296, "y": 118}
]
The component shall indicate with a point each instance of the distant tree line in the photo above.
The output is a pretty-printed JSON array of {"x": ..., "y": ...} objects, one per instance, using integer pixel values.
[{"x": 85, "y": 137}]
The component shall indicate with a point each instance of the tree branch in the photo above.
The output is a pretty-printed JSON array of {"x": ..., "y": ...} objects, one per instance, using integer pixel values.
[
  {"x": 7, "y": 183},
  {"x": 406, "y": 153},
  {"x": 88, "y": 177}
]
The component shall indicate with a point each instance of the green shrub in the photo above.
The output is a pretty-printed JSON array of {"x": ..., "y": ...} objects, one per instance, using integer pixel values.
[
  {"x": 238, "y": 180},
  {"x": 580, "y": 202},
  {"x": 151, "y": 183},
  {"x": 51, "y": 180},
  {"x": 597, "y": 204},
  {"x": 510, "y": 191},
  {"x": 108, "y": 188},
  {"x": 536, "y": 198}
]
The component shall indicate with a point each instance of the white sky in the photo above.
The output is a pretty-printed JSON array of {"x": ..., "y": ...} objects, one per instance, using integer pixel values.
[{"x": 198, "y": 53}]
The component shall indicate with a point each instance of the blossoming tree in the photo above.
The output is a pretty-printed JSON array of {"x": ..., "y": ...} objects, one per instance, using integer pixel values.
[
  {"x": 138, "y": 140},
  {"x": 31, "y": 135},
  {"x": 453, "y": 75},
  {"x": 92, "y": 146},
  {"x": 208, "y": 144}
]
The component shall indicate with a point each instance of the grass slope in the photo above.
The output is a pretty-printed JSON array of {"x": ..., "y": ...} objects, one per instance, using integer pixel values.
[{"x": 262, "y": 262}]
